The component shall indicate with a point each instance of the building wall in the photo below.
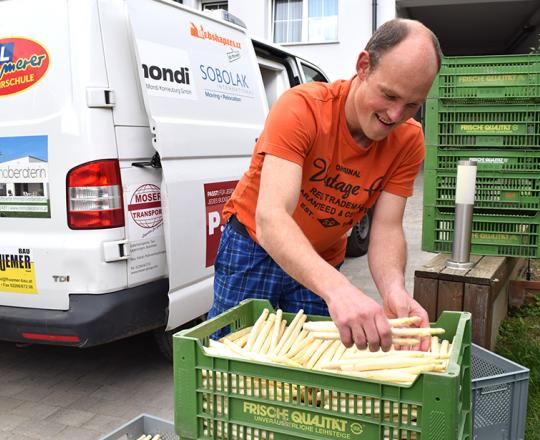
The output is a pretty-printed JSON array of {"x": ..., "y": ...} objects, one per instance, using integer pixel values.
[{"x": 337, "y": 60}]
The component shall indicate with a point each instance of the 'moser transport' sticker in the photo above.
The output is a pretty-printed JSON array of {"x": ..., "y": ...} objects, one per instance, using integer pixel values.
[
  {"x": 24, "y": 180},
  {"x": 145, "y": 227},
  {"x": 17, "y": 271},
  {"x": 23, "y": 63}
]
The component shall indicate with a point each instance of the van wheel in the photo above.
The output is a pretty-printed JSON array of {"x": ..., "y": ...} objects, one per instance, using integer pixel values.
[
  {"x": 164, "y": 339},
  {"x": 358, "y": 241}
]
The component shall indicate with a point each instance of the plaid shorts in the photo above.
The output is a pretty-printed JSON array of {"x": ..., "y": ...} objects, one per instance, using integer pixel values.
[{"x": 243, "y": 270}]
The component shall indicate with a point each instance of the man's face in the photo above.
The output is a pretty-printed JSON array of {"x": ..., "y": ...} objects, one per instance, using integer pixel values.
[{"x": 390, "y": 94}]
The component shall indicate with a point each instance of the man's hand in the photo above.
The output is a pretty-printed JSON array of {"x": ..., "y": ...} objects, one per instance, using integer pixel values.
[
  {"x": 359, "y": 319},
  {"x": 399, "y": 304}
]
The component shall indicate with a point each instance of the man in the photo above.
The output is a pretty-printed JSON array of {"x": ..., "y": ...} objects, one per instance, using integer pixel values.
[{"x": 328, "y": 152}]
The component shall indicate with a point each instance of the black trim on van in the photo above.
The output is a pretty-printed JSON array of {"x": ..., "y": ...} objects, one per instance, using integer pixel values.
[{"x": 95, "y": 318}]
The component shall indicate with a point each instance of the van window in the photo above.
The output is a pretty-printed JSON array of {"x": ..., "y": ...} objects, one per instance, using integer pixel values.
[
  {"x": 311, "y": 74},
  {"x": 275, "y": 79}
]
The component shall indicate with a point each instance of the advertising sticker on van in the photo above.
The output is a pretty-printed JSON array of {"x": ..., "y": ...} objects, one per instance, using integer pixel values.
[
  {"x": 17, "y": 271},
  {"x": 216, "y": 195},
  {"x": 225, "y": 84},
  {"x": 145, "y": 231},
  {"x": 23, "y": 63},
  {"x": 24, "y": 177},
  {"x": 166, "y": 71},
  {"x": 198, "y": 31}
]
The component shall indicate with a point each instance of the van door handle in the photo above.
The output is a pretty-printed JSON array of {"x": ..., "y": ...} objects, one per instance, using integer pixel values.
[
  {"x": 155, "y": 162},
  {"x": 116, "y": 250}
]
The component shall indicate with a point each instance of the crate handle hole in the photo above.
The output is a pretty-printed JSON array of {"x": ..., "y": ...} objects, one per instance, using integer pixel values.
[{"x": 437, "y": 399}]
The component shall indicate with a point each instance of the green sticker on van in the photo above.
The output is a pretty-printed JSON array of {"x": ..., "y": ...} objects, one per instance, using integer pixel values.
[{"x": 24, "y": 177}]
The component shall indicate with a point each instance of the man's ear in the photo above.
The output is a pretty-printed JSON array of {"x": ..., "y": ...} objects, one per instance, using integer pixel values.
[{"x": 362, "y": 65}]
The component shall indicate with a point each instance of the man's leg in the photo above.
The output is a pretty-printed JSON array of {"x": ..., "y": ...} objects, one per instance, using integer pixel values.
[
  {"x": 296, "y": 297},
  {"x": 243, "y": 270}
]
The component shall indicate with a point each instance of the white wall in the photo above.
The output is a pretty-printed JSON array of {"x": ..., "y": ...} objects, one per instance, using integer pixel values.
[{"x": 337, "y": 60}]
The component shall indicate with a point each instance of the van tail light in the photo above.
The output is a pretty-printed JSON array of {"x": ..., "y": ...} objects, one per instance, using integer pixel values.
[
  {"x": 94, "y": 196},
  {"x": 50, "y": 338}
]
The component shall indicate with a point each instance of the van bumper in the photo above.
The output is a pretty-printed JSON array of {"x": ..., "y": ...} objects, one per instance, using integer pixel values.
[{"x": 92, "y": 319}]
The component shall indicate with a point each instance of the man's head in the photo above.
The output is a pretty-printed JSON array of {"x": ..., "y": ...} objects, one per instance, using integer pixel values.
[
  {"x": 393, "y": 32},
  {"x": 395, "y": 73}
]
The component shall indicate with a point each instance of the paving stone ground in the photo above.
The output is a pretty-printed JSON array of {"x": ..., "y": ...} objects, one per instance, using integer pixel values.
[{"x": 71, "y": 394}]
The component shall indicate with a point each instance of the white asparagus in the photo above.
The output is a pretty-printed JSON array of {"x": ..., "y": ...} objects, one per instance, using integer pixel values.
[
  {"x": 156, "y": 437},
  {"x": 299, "y": 340},
  {"x": 405, "y": 341},
  {"x": 242, "y": 340},
  {"x": 288, "y": 331},
  {"x": 266, "y": 346},
  {"x": 435, "y": 345},
  {"x": 304, "y": 355},
  {"x": 320, "y": 326},
  {"x": 417, "y": 331},
  {"x": 142, "y": 437},
  {"x": 318, "y": 353},
  {"x": 256, "y": 329},
  {"x": 282, "y": 328},
  {"x": 332, "y": 336},
  {"x": 285, "y": 361},
  {"x": 388, "y": 376},
  {"x": 395, "y": 354},
  {"x": 242, "y": 352},
  {"x": 328, "y": 335},
  {"x": 325, "y": 326},
  {"x": 444, "y": 346},
  {"x": 276, "y": 330},
  {"x": 263, "y": 334},
  {"x": 299, "y": 347},
  {"x": 316, "y": 345},
  {"x": 291, "y": 338},
  {"x": 339, "y": 353},
  {"x": 383, "y": 363},
  {"x": 239, "y": 333},
  {"x": 399, "y": 322},
  {"x": 327, "y": 354}
]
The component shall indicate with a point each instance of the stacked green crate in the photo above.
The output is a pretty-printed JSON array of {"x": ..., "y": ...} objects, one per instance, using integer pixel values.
[{"x": 486, "y": 109}]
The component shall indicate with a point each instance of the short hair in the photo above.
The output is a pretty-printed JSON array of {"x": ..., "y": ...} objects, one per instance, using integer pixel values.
[{"x": 390, "y": 34}]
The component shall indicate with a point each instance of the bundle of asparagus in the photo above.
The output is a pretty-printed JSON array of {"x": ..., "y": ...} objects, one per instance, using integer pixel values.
[
  {"x": 316, "y": 345},
  {"x": 150, "y": 437}
]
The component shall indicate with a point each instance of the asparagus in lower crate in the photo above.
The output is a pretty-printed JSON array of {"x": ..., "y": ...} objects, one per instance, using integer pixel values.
[{"x": 270, "y": 339}]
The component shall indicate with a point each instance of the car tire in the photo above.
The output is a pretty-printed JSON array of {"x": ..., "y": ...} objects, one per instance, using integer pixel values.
[
  {"x": 164, "y": 339},
  {"x": 358, "y": 241}
]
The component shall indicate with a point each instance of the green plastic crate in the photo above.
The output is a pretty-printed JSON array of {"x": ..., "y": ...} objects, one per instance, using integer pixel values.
[
  {"x": 494, "y": 191},
  {"x": 222, "y": 398},
  {"x": 492, "y": 234},
  {"x": 509, "y": 79},
  {"x": 470, "y": 127},
  {"x": 505, "y": 162}
]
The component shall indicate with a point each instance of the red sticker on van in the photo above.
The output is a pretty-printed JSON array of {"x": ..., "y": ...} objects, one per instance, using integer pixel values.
[
  {"x": 216, "y": 195},
  {"x": 23, "y": 63}
]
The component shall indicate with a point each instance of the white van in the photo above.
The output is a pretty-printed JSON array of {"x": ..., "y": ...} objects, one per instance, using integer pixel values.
[{"x": 124, "y": 127}]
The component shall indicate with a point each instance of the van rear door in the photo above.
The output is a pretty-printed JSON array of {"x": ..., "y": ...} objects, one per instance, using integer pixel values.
[
  {"x": 50, "y": 54},
  {"x": 206, "y": 105}
]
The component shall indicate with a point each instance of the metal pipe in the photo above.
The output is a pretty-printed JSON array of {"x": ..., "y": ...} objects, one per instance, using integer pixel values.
[
  {"x": 373, "y": 16},
  {"x": 465, "y": 189}
]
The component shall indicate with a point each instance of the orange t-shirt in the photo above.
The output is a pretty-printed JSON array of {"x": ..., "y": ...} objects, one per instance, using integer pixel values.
[{"x": 340, "y": 179}]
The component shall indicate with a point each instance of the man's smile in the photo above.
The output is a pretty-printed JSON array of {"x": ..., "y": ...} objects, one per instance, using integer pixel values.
[{"x": 384, "y": 121}]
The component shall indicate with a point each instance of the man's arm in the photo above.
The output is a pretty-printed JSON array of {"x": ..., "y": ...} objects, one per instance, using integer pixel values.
[
  {"x": 387, "y": 256},
  {"x": 359, "y": 319}
]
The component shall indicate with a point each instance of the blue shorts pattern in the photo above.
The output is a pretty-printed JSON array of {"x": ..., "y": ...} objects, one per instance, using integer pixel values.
[{"x": 244, "y": 270}]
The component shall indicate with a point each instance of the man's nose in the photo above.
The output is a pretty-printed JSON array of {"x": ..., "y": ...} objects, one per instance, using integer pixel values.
[{"x": 395, "y": 112}]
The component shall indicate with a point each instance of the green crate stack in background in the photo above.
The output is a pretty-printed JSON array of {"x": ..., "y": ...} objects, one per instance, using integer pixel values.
[{"x": 487, "y": 109}]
